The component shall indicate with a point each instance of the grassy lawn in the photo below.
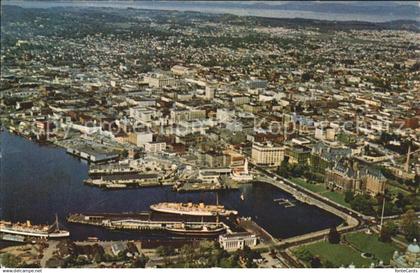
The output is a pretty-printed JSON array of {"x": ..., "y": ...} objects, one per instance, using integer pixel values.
[
  {"x": 312, "y": 187},
  {"x": 337, "y": 255},
  {"x": 371, "y": 244},
  {"x": 395, "y": 190},
  {"x": 319, "y": 188},
  {"x": 337, "y": 197}
]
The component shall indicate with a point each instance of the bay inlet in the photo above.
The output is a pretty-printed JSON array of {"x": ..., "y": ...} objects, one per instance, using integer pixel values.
[{"x": 39, "y": 181}]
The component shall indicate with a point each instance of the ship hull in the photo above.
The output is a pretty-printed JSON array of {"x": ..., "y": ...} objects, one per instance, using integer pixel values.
[
  {"x": 196, "y": 232},
  {"x": 61, "y": 234},
  {"x": 192, "y": 212}
]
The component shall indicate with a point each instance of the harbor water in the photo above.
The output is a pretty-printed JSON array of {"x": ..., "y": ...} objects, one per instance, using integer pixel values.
[{"x": 39, "y": 181}]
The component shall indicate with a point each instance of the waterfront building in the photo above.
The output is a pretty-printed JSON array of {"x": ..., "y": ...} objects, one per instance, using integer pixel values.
[
  {"x": 347, "y": 175},
  {"x": 234, "y": 158},
  {"x": 267, "y": 154},
  {"x": 241, "y": 173},
  {"x": 238, "y": 240},
  {"x": 342, "y": 178},
  {"x": 215, "y": 159}
]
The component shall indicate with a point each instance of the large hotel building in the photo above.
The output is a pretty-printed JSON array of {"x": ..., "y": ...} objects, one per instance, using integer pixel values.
[{"x": 267, "y": 154}]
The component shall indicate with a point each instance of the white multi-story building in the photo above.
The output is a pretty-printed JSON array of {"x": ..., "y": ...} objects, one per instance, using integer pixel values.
[
  {"x": 239, "y": 100},
  {"x": 209, "y": 95},
  {"x": 155, "y": 147},
  {"x": 225, "y": 115},
  {"x": 160, "y": 80},
  {"x": 140, "y": 138},
  {"x": 186, "y": 115},
  {"x": 254, "y": 84},
  {"x": 145, "y": 115},
  {"x": 180, "y": 70},
  {"x": 267, "y": 154},
  {"x": 238, "y": 240}
]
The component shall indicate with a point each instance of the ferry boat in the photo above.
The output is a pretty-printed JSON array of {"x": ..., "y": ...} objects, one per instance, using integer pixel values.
[
  {"x": 199, "y": 209},
  {"x": 197, "y": 229},
  {"x": 29, "y": 230}
]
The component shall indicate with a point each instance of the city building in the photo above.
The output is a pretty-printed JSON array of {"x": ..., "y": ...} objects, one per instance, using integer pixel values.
[
  {"x": 267, "y": 154},
  {"x": 154, "y": 147},
  {"x": 235, "y": 241},
  {"x": 409, "y": 259},
  {"x": 140, "y": 138}
]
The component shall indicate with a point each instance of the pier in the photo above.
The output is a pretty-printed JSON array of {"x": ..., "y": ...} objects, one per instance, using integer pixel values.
[
  {"x": 284, "y": 202},
  {"x": 146, "y": 221},
  {"x": 249, "y": 225}
]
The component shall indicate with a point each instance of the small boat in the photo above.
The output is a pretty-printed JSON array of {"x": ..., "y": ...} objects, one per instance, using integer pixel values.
[
  {"x": 242, "y": 197},
  {"x": 92, "y": 239}
]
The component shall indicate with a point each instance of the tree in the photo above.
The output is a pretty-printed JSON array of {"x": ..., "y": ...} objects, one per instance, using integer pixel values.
[
  {"x": 98, "y": 258},
  {"x": 362, "y": 203},
  {"x": 228, "y": 263},
  {"x": 333, "y": 236},
  {"x": 388, "y": 230},
  {"x": 304, "y": 254},
  {"x": 283, "y": 169},
  {"x": 187, "y": 252},
  {"x": 165, "y": 251},
  {"x": 306, "y": 77},
  {"x": 413, "y": 232},
  {"x": 10, "y": 261},
  {"x": 348, "y": 196},
  {"x": 316, "y": 262},
  {"x": 401, "y": 201},
  {"x": 407, "y": 219},
  {"x": 409, "y": 225},
  {"x": 140, "y": 262}
]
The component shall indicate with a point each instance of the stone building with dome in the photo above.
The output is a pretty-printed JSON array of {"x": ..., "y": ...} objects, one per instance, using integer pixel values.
[{"x": 411, "y": 257}]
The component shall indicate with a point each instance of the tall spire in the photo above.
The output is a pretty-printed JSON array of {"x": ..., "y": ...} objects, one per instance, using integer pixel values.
[{"x": 407, "y": 163}]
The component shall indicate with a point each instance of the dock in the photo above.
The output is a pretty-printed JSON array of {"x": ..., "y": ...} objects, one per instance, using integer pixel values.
[
  {"x": 144, "y": 221},
  {"x": 251, "y": 226},
  {"x": 284, "y": 202},
  {"x": 126, "y": 180}
]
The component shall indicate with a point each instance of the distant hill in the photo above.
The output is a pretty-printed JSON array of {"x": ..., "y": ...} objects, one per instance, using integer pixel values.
[
  {"x": 409, "y": 25},
  {"x": 374, "y": 7},
  {"x": 13, "y": 12}
]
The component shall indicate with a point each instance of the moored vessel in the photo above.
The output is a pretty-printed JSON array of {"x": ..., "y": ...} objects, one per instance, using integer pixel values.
[
  {"x": 32, "y": 231},
  {"x": 197, "y": 229},
  {"x": 199, "y": 209}
]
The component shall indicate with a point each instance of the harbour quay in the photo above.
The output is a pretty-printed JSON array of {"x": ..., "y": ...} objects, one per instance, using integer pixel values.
[
  {"x": 123, "y": 180},
  {"x": 91, "y": 155},
  {"x": 155, "y": 222}
]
